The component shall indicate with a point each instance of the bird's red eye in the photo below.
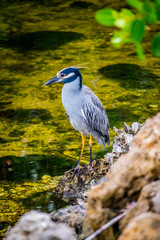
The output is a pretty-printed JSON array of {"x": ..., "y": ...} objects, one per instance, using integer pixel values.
[{"x": 62, "y": 75}]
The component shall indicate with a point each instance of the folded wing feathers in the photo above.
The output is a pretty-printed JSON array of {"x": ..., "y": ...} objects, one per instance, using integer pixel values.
[{"x": 95, "y": 114}]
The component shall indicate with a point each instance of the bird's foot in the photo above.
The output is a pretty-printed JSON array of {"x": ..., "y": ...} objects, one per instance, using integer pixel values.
[
  {"x": 81, "y": 172},
  {"x": 76, "y": 171},
  {"x": 90, "y": 171}
]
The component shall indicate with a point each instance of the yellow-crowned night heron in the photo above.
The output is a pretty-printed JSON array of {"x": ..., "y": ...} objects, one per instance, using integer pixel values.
[{"x": 84, "y": 110}]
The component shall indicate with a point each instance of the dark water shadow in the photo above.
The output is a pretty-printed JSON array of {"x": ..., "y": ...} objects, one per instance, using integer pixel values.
[
  {"x": 33, "y": 167},
  {"x": 38, "y": 2},
  {"x": 83, "y": 5},
  {"x": 26, "y": 115},
  {"x": 41, "y": 40},
  {"x": 130, "y": 75},
  {"x": 44, "y": 201},
  {"x": 6, "y": 103}
]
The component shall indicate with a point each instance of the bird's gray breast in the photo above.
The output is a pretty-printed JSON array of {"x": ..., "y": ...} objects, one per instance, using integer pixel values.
[{"x": 72, "y": 102}]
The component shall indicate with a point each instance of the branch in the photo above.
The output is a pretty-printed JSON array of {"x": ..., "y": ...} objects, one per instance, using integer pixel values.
[{"x": 107, "y": 225}]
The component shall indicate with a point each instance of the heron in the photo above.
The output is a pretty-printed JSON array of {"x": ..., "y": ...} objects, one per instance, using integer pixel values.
[{"x": 83, "y": 108}]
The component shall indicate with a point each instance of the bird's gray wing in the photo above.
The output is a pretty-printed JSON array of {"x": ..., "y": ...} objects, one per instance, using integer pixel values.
[{"x": 94, "y": 113}]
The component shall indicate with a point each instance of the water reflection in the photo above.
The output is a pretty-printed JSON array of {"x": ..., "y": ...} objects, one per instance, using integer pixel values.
[
  {"x": 33, "y": 167},
  {"x": 45, "y": 201}
]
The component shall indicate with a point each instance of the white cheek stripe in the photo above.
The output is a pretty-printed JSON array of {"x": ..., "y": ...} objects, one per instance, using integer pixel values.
[
  {"x": 70, "y": 75},
  {"x": 83, "y": 115}
]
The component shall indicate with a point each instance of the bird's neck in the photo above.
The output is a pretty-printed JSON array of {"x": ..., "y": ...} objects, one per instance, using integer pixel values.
[{"x": 74, "y": 86}]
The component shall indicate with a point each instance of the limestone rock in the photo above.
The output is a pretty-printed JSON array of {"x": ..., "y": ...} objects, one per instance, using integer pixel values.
[
  {"x": 149, "y": 200},
  {"x": 35, "y": 225},
  {"x": 128, "y": 175},
  {"x": 59, "y": 232},
  {"x": 78, "y": 187},
  {"x": 145, "y": 226},
  {"x": 122, "y": 142},
  {"x": 73, "y": 216}
]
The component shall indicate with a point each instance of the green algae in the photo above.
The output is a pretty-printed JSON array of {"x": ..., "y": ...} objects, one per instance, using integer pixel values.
[
  {"x": 18, "y": 198},
  {"x": 37, "y": 39}
]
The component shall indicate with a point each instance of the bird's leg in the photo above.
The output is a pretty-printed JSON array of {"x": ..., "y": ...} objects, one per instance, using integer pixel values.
[
  {"x": 90, "y": 145},
  {"x": 77, "y": 168},
  {"x": 83, "y": 144},
  {"x": 90, "y": 169}
]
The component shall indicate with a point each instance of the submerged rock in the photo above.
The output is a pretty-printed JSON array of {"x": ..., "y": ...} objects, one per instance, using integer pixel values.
[
  {"x": 126, "y": 178},
  {"x": 35, "y": 225}
]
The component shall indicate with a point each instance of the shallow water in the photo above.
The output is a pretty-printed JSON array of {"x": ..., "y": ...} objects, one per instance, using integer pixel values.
[{"x": 37, "y": 39}]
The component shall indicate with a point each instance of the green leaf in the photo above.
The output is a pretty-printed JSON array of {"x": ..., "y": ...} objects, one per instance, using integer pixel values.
[
  {"x": 157, "y": 2},
  {"x": 106, "y": 17},
  {"x": 117, "y": 40},
  {"x": 135, "y": 3},
  {"x": 120, "y": 37},
  {"x": 139, "y": 50},
  {"x": 158, "y": 13},
  {"x": 150, "y": 11},
  {"x": 126, "y": 13},
  {"x": 137, "y": 30},
  {"x": 120, "y": 23},
  {"x": 156, "y": 45}
]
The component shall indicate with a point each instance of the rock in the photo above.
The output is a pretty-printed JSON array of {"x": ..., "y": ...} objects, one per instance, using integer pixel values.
[
  {"x": 122, "y": 142},
  {"x": 59, "y": 232},
  {"x": 155, "y": 202},
  {"x": 135, "y": 127},
  {"x": 78, "y": 187},
  {"x": 35, "y": 225},
  {"x": 145, "y": 226},
  {"x": 149, "y": 200},
  {"x": 127, "y": 176},
  {"x": 73, "y": 216}
]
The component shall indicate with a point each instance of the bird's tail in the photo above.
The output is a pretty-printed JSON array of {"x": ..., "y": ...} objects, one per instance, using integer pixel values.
[
  {"x": 107, "y": 139},
  {"x": 102, "y": 140}
]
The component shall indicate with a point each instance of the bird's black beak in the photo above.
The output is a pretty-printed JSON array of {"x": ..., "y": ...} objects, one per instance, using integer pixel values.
[{"x": 52, "y": 80}]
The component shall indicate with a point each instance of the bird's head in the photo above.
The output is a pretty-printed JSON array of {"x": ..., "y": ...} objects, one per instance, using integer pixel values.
[{"x": 66, "y": 75}]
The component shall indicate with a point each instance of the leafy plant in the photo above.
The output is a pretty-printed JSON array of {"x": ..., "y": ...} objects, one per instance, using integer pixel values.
[{"x": 133, "y": 26}]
